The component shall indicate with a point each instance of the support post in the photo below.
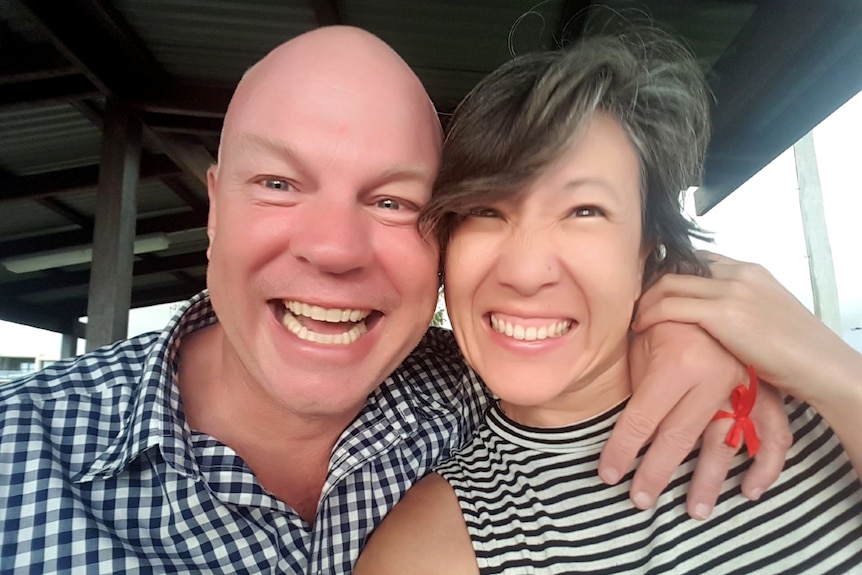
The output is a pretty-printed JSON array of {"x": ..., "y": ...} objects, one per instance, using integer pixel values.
[
  {"x": 110, "y": 292},
  {"x": 820, "y": 267}
]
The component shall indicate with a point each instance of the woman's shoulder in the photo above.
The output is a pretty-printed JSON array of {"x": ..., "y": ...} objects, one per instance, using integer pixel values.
[{"x": 424, "y": 533}]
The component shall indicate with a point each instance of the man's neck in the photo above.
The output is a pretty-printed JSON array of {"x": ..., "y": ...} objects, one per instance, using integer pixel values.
[{"x": 288, "y": 452}]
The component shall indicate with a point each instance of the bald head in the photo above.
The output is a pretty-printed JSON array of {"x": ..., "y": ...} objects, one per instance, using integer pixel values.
[
  {"x": 351, "y": 69},
  {"x": 330, "y": 147}
]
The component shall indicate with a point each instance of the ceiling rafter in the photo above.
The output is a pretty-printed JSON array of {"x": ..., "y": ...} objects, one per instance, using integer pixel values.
[
  {"x": 16, "y": 188},
  {"x": 150, "y": 225},
  {"x": 46, "y": 91},
  {"x": 67, "y": 212},
  {"x": 141, "y": 297},
  {"x": 79, "y": 29},
  {"x": 57, "y": 279}
]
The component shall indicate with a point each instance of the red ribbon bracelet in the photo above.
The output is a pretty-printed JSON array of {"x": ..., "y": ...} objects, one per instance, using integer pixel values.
[{"x": 742, "y": 399}]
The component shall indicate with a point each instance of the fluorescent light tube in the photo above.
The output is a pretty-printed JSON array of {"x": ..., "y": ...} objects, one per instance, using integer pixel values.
[{"x": 77, "y": 255}]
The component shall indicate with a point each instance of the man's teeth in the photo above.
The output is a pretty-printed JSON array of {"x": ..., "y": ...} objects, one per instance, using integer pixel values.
[
  {"x": 302, "y": 332},
  {"x": 330, "y": 315},
  {"x": 532, "y": 333}
]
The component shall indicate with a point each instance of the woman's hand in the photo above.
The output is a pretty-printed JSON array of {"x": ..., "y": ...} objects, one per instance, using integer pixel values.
[
  {"x": 680, "y": 377},
  {"x": 762, "y": 324}
]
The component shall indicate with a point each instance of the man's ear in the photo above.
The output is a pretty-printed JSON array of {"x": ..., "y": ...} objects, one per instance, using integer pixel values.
[{"x": 212, "y": 177}]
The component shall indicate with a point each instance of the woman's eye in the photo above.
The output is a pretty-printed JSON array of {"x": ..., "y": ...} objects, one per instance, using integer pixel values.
[
  {"x": 483, "y": 213},
  {"x": 587, "y": 212},
  {"x": 276, "y": 184},
  {"x": 388, "y": 204}
]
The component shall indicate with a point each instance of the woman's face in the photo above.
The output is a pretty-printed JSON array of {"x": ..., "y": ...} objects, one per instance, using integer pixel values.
[{"x": 540, "y": 290}]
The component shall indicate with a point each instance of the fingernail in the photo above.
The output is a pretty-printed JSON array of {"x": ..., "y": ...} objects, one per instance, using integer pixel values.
[
  {"x": 702, "y": 511},
  {"x": 755, "y": 493},
  {"x": 642, "y": 500},
  {"x": 610, "y": 476}
]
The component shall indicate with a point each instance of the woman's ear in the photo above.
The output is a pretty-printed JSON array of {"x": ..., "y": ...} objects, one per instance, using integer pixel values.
[{"x": 645, "y": 264}]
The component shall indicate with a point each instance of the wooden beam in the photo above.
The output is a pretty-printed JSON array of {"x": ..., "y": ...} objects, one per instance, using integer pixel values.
[
  {"x": 159, "y": 295},
  {"x": 54, "y": 318},
  {"x": 183, "y": 124},
  {"x": 56, "y": 279},
  {"x": 193, "y": 159},
  {"x": 195, "y": 100},
  {"x": 82, "y": 30},
  {"x": 32, "y": 60},
  {"x": 140, "y": 297},
  {"x": 46, "y": 91},
  {"x": 66, "y": 212},
  {"x": 16, "y": 188},
  {"x": 179, "y": 187},
  {"x": 167, "y": 224}
]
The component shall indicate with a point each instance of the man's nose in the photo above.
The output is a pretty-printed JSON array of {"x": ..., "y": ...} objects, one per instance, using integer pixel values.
[
  {"x": 528, "y": 262},
  {"x": 334, "y": 237}
]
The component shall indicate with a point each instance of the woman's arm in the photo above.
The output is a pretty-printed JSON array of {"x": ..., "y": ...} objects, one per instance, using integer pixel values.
[
  {"x": 424, "y": 534},
  {"x": 762, "y": 324}
]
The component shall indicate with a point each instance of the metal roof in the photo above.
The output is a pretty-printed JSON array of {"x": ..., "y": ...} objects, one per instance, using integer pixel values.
[{"x": 776, "y": 67}]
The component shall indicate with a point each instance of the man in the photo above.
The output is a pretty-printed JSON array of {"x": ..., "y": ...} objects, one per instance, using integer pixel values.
[{"x": 274, "y": 438}]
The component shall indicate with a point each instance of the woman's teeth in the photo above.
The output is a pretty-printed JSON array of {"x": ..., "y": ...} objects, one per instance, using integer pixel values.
[{"x": 531, "y": 333}]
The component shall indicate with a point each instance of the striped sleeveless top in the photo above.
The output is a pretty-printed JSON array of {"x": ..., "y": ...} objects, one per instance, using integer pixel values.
[{"x": 533, "y": 503}]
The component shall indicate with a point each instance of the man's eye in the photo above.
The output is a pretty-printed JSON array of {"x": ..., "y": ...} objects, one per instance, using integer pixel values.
[
  {"x": 276, "y": 184},
  {"x": 587, "y": 212},
  {"x": 388, "y": 204}
]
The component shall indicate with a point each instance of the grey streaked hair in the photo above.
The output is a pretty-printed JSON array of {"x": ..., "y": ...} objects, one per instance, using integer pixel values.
[{"x": 526, "y": 113}]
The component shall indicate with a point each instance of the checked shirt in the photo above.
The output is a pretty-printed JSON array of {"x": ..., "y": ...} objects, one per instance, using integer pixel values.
[{"x": 99, "y": 472}]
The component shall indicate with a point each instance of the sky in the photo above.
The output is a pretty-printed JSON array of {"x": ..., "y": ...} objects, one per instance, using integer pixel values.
[{"x": 759, "y": 222}]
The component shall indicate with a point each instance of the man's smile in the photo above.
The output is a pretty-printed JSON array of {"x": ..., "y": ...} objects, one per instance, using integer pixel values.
[{"x": 330, "y": 326}]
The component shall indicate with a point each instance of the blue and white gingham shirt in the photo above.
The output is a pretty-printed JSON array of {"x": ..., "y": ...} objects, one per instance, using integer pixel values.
[{"x": 99, "y": 472}]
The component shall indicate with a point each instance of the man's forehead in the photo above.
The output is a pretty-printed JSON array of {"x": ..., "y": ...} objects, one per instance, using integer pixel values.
[
  {"x": 250, "y": 145},
  {"x": 333, "y": 83},
  {"x": 348, "y": 57}
]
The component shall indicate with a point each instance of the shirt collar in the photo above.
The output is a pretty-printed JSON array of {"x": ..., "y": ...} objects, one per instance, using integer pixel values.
[{"x": 155, "y": 417}]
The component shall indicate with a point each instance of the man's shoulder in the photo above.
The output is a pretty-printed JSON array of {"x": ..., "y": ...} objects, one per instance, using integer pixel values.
[
  {"x": 437, "y": 356},
  {"x": 74, "y": 412},
  {"x": 436, "y": 373},
  {"x": 83, "y": 376},
  {"x": 439, "y": 340}
]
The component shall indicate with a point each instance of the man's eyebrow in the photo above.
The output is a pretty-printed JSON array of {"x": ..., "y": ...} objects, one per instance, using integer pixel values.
[
  {"x": 400, "y": 173},
  {"x": 246, "y": 140}
]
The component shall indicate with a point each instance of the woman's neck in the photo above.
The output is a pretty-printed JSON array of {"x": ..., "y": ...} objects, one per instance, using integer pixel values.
[{"x": 584, "y": 399}]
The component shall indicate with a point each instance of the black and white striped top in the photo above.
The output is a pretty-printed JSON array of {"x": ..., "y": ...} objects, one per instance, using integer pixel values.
[{"x": 533, "y": 503}]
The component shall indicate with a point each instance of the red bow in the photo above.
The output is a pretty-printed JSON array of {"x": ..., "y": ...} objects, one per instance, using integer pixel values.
[{"x": 742, "y": 400}]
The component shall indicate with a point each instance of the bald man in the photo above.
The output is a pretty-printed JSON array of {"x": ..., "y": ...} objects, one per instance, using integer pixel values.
[{"x": 281, "y": 414}]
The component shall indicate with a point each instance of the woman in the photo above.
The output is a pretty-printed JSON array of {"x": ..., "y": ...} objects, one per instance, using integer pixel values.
[{"x": 558, "y": 202}]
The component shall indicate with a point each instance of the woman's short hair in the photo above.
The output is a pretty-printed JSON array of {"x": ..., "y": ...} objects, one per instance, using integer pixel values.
[{"x": 525, "y": 114}]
